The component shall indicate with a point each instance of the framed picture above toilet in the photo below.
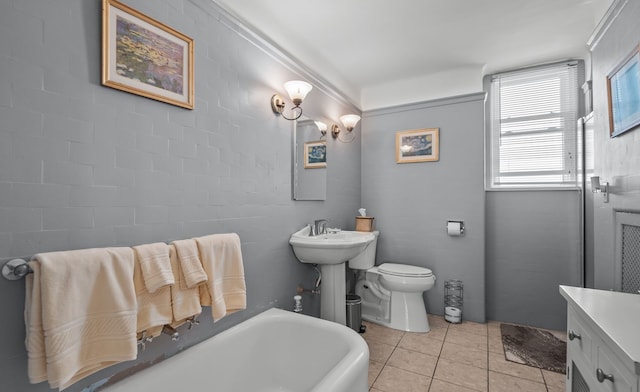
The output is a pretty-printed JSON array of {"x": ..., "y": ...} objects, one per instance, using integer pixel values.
[{"x": 418, "y": 145}]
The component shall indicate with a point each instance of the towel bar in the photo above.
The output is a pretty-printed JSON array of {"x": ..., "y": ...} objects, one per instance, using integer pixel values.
[{"x": 15, "y": 269}]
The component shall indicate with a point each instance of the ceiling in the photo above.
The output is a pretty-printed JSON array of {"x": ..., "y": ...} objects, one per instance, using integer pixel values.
[{"x": 385, "y": 53}]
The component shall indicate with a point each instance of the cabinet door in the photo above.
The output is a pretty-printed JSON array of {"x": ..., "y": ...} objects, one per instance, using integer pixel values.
[
  {"x": 610, "y": 373},
  {"x": 578, "y": 382}
]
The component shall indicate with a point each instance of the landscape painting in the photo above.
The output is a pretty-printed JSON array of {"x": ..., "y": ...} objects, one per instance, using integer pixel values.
[{"x": 145, "y": 57}]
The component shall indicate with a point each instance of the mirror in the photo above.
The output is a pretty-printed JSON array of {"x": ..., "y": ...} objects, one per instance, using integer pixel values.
[{"x": 309, "y": 171}]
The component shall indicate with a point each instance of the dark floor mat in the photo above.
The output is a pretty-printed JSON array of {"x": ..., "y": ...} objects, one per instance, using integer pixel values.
[{"x": 534, "y": 347}]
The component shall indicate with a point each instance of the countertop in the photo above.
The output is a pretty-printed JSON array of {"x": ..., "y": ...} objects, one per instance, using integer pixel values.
[{"x": 616, "y": 314}]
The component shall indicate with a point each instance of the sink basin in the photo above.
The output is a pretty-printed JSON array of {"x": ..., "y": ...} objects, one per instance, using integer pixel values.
[
  {"x": 330, "y": 248},
  {"x": 331, "y": 251}
]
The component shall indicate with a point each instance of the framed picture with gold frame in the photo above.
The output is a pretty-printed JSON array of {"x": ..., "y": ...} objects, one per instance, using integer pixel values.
[
  {"x": 315, "y": 155},
  {"x": 623, "y": 92},
  {"x": 145, "y": 57},
  {"x": 418, "y": 145}
]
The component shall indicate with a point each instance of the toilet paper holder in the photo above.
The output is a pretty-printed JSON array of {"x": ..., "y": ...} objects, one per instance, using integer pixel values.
[{"x": 455, "y": 227}]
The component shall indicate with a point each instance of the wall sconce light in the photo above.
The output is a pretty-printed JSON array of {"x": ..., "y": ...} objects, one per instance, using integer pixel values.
[
  {"x": 322, "y": 127},
  {"x": 349, "y": 121},
  {"x": 297, "y": 90},
  {"x": 597, "y": 188}
]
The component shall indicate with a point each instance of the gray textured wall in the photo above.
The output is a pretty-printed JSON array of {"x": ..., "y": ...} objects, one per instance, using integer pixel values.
[
  {"x": 533, "y": 245},
  {"x": 617, "y": 160},
  {"x": 413, "y": 201},
  {"x": 83, "y": 165}
]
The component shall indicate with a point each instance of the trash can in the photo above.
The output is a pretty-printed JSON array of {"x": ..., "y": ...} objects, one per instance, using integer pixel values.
[{"x": 354, "y": 312}]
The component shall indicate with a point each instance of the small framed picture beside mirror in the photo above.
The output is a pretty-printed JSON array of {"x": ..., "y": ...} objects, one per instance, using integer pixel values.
[{"x": 315, "y": 155}]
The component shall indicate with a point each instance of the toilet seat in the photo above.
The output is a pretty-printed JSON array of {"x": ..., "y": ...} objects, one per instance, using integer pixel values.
[{"x": 404, "y": 270}]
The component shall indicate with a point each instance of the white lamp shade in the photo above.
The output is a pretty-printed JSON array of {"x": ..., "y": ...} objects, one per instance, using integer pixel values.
[
  {"x": 321, "y": 126},
  {"x": 349, "y": 121},
  {"x": 297, "y": 90}
]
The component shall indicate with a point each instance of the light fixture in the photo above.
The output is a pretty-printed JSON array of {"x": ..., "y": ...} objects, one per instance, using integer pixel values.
[
  {"x": 597, "y": 188},
  {"x": 349, "y": 121},
  {"x": 297, "y": 90},
  {"x": 322, "y": 127}
]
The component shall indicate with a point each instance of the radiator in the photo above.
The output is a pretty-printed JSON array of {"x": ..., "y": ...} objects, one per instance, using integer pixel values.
[{"x": 628, "y": 252}]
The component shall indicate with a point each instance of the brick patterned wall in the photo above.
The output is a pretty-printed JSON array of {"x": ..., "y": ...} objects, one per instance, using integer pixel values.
[{"x": 82, "y": 165}]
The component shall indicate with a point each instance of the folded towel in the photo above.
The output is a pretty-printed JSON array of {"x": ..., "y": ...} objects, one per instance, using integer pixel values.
[
  {"x": 226, "y": 290},
  {"x": 154, "y": 309},
  {"x": 185, "y": 302},
  {"x": 155, "y": 265},
  {"x": 80, "y": 314},
  {"x": 190, "y": 265}
]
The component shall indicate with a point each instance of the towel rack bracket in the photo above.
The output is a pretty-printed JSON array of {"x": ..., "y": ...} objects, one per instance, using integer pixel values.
[{"x": 15, "y": 269}]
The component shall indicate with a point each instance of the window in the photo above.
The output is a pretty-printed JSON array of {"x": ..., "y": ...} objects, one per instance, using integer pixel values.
[{"x": 533, "y": 127}]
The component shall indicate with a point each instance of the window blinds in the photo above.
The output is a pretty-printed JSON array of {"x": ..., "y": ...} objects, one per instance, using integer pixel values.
[{"x": 534, "y": 129}]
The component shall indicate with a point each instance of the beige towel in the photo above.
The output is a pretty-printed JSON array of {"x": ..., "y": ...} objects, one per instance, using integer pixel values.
[
  {"x": 222, "y": 261},
  {"x": 191, "y": 270},
  {"x": 155, "y": 265},
  {"x": 184, "y": 302},
  {"x": 154, "y": 309},
  {"x": 36, "y": 356},
  {"x": 80, "y": 314}
]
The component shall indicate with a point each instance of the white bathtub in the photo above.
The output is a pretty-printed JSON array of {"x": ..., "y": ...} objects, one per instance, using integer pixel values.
[{"x": 276, "y": 350}]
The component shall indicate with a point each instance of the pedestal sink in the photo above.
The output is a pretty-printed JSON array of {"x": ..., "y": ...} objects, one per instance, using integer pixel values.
[{"x": 330, "y": 251}]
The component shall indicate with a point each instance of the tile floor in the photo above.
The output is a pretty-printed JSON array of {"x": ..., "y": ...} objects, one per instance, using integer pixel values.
[{"x": 464, "y": 357}]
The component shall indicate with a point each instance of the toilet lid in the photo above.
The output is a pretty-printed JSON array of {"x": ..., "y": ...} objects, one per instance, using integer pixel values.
[{"x": 404, "y": 270}]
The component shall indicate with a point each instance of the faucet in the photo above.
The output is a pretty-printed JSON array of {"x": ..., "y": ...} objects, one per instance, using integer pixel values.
[{"x": 319, "y": 227}]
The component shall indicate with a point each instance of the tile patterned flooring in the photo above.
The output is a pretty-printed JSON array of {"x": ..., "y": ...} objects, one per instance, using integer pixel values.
[{"x": 464, "y": 357}]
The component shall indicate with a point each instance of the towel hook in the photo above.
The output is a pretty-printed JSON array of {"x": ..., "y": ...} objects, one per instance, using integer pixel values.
[
  {"x": 142, "y": 342},
  {"x": 15, "y": 269},
  {"x": 192, "y": 321}
]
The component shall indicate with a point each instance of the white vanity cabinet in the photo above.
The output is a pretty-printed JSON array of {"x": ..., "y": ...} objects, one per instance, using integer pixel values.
[{"x": 603, "y": 340}]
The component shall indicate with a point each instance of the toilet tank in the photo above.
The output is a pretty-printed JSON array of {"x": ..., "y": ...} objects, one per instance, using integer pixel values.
[{"x": 367, "y": 258}]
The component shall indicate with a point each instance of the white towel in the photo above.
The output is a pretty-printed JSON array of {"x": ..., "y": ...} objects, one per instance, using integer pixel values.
[
  {"x": 221, "y": 257},
  {"x": 155, "y": 265},
  {"x": 80, "y": 314},
  {"x": 185, "y": 302},
  {"x": 191, "y": 271},
  {"x": 154, "y": 309}
]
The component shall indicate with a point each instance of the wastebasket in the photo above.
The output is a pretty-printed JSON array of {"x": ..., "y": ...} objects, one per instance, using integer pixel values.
[{"x": 354, "y": 312}]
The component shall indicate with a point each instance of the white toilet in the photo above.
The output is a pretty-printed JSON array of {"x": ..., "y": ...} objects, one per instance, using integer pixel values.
[{"x": 391, "y": 293}]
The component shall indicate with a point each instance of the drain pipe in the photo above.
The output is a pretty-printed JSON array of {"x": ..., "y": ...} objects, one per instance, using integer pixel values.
[{"x": 316, "y": 288}]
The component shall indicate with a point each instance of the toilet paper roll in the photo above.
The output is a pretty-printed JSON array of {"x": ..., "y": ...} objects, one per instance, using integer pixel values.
[
  {"x": 452, "y": 311},
  {"x": 452, "y": 314},
  {"x": 454, "y": 228}
]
